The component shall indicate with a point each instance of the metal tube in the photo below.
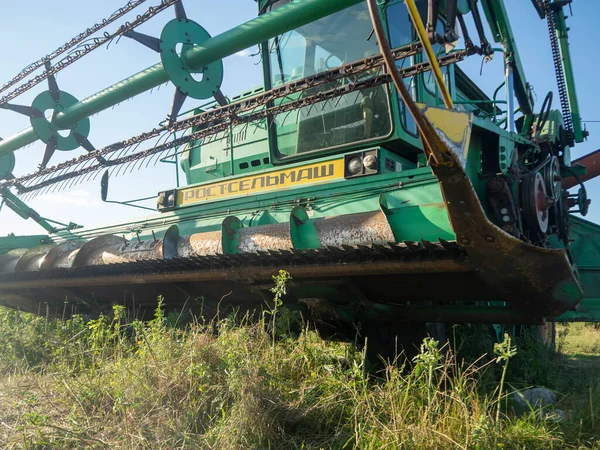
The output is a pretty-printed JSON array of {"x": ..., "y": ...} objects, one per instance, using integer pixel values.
[
  {"x": 592, "y": 163},
  {"x": 253, "y": 32},
  {"x": 510, "y": 98}
]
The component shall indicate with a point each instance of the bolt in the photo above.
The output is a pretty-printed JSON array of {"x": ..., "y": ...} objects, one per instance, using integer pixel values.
[
  {"x": 489, "y": 239},
  {"x": 504, "y": 211},
  {"x": 506, "y": 219},
  {"x": 550, "y": 201}
]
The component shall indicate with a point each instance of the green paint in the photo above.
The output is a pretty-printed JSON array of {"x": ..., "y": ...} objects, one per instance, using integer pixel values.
[
  {"x": 7, "y": 165},
  {"x": 47, "y": 129},
  {"x": 13, "y": 242},
  {"x": 585, "y": 249},
  {"x": 188, "y": 33}
]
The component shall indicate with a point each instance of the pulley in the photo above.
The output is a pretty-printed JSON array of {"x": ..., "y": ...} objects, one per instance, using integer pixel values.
[
  {"x": 553, "y": 178},
  {"x": 535, "y": 203},
  {"x": 580, "y": 200}
]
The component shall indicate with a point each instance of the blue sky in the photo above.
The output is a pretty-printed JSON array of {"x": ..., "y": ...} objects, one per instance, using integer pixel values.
[{"x": 34, "y": 28}]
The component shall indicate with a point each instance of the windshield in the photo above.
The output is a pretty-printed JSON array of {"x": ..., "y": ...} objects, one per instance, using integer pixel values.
[{"x": 358, "y": 116}]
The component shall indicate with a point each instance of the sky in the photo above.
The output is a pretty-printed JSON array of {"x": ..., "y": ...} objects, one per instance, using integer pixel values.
[{"x": 31, "y": 29}]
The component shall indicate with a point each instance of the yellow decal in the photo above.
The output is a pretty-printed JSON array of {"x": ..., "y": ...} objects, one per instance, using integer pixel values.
[{"x": 281, "y": 179}]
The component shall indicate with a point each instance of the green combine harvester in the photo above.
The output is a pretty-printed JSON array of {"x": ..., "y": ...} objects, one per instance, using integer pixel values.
[{"x": 394, "y": 191}]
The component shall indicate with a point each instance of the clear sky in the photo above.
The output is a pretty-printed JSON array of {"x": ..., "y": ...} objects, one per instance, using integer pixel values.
[{"x": 34, "y": 28}]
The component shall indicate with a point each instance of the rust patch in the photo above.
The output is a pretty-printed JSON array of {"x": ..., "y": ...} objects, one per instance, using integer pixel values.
[
  {"x": 200, "y": 244},
  {"x": 354, "y": 229},
  {"x": 265, "y": 237}
]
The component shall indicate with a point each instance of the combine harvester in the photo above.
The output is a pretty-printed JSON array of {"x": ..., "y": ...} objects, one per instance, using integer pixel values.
[{"x": 370, "y": 167}]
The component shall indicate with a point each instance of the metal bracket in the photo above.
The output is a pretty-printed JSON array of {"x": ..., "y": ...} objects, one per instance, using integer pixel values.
[{"x": 506, "y": 149}]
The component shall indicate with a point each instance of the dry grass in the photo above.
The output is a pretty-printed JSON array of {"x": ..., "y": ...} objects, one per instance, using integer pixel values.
[{"x": 110, "y": 384}]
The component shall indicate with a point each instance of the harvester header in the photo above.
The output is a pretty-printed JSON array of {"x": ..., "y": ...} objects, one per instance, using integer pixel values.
[{"x": 368, "y": 165}]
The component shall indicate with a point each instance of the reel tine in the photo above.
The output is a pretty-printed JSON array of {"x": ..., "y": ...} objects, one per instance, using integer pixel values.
[
  {"x": 73, "y": 180},
  {"x": 128, "y": 165},
  {"x": 158, "y": 153},
  {"x": 56, "y": 187},
  {"x": 93, "y": 173}
]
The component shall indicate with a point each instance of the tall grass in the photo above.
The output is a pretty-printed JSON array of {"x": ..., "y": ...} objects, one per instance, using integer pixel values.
[{"x": 119, "y": 383}]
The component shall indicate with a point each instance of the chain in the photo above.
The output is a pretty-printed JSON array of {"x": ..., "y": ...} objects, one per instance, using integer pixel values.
[
  {"x": 560, "y": 74},
  {"x": 132, "y": 4},
  {"x": 84, "y": 49},
  {"x": 241, "y": 113}
]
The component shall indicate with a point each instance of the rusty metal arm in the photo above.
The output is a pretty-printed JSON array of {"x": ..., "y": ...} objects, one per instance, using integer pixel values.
[
  {"x": 422, "y": 33},
  {"x": 424, "y": 129},
  {"x": 591, "y": 162}
]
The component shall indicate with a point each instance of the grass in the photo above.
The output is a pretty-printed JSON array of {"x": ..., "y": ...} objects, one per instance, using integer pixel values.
[
  {"x": 583, "y": 339},
  {"x": 117, "y": 383}
]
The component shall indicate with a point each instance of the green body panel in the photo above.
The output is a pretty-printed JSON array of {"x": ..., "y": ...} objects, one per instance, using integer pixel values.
[
  {"x": 12, "y": 242},
  {"x": 585, "y": 249},
  {"x": 412, "y": 200}
]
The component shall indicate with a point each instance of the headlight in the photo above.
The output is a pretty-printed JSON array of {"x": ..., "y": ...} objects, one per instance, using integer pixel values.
[
  {"x": 362, "y": 163},
  {"x": 370, "y": 162},
  {"x": 355, "y": 165}
]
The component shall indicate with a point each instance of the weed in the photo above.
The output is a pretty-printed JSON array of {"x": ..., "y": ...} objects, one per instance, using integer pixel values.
[
  {"x": 504, "y": 351},
  {"x": 228, "y": 384}
]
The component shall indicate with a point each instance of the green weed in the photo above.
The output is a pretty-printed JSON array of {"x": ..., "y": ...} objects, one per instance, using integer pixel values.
[{"x": 114, "y": 383}]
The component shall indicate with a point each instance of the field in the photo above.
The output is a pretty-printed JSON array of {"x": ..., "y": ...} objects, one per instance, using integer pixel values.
[{"x": 177, "y": 382}]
